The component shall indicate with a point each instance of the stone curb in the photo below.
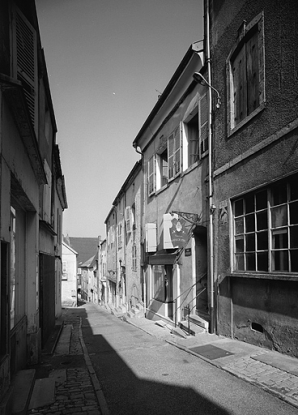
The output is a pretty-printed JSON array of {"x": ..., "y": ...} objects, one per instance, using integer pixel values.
[{"x": 97, "y": 387}]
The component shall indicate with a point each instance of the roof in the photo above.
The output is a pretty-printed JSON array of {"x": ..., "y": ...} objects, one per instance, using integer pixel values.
[
  {"x": 89, "y": 263},
  {"x": 193, "y": 49},
  {"x": 85, "y": 247},
  {"x": 69, "y": 248}
]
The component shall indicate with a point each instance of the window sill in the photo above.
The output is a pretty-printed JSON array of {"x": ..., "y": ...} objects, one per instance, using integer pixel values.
[
  {"x": 232, "y": 131},
  {"x": 265, "y": 276}
]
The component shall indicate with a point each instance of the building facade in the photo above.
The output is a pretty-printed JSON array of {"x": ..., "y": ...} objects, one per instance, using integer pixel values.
[
  {"x": 123, "y": 249},
  {"x": 254, "y": 68},
  {"x": 69, "y": 284},
  {"x": 173, "y": 143},
  {"x": 33, "y": 194}
]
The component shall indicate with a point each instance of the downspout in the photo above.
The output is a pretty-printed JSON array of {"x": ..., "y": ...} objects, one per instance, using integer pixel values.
[{"x": 210, "y": 173}]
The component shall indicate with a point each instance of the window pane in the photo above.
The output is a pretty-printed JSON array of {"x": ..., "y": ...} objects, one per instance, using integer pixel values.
[
  {"x": 239, "y": 227},
  {"x": 294, "y": 237},
  {"x": 262, "y": 241},
  {"x": 294, "y": 188},
  {"x": 280, "y": 261},
  {"x": 294, "y": 212},
  {"x": 250, "y": 242},
  {"x": 279, "y": 216},
  {"x": 294, "y": 260},
  {"x": 239, "y": 207},
  {"x": 261, "y": 200},
  {"x": 239, "y": 244},
  {"x": 249, "y": 204},
  {"x": 279, "y": 193},
  {"x": 262, "y": 259},
  {"x": 239, "y": 263},
  {"x": 280, "y": 239},
  {"x": 262, "y": 221},
  {"x": 250, "y": 223},
  {"x": 250, "y": 262}
]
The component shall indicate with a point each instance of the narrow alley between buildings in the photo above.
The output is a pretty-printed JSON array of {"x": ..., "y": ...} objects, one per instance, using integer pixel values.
[{"x": 133, "y": 372}]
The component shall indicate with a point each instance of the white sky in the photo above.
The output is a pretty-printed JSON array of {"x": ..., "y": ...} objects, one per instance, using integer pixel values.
[{"x": 106, "y": 60}]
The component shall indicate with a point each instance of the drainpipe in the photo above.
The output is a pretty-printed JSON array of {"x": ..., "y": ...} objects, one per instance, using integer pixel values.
[{"x": 210, "y": 174}]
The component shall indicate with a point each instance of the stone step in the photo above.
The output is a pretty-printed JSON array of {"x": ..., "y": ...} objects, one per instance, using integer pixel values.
[
  {"x": 191, "y": 328},
  {"x": 23, "y": 384},
  {"x": 199, "y": 321}
]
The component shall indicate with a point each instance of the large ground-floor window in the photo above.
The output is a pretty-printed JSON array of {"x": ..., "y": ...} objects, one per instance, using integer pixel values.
[{"x": 265, "y": 226}]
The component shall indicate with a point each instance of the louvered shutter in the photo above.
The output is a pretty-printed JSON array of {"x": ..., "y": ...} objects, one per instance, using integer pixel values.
[
  {"x": 177, "y": 150},
  {"x": 25, "y": 61},
  {"x": 151, "y": 175}
]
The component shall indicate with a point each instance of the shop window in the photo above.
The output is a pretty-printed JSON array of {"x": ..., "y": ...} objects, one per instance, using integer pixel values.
[{"x": 266, "y": 229}]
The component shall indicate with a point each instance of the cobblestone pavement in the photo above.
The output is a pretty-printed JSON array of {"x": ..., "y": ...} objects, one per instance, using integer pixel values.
[{"x": 76, "y": 393}]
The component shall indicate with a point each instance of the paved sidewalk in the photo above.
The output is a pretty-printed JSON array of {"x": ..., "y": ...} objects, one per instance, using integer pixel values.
[
  {"x": 272, "y": 371},
  {"x": 66, "y": 383}
]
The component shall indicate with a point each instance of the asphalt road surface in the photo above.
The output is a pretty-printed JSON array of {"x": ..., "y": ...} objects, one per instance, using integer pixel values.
[{"x": 143, "y": 375}]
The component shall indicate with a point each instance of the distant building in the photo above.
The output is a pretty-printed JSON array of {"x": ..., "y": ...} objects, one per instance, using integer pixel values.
[
  {"x": 69, "y": 289},
  {"x": 123, "y": 248},
  {"x": 89, "y": 280}
]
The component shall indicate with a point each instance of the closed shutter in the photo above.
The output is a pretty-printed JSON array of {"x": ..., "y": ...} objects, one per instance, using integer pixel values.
[
  {"x": 239, "y": 78},
  {"x": 25, "y": 61},
  {"x": 151, "y": 244},
  {"x": 252, "y": 64}
]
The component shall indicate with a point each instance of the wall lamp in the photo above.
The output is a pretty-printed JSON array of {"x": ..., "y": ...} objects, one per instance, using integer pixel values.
[{"x": 199, "y": 78}]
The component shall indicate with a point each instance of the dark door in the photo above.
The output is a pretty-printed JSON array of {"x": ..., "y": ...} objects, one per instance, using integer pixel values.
[{"x": 46, "y": 295}]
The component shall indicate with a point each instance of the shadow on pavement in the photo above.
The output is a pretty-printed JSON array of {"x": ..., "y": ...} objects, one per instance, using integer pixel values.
[{"x": 125, "y": 393}]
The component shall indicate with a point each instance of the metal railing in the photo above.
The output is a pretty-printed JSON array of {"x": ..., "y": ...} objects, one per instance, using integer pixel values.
[{"x": 188, "y": 291}]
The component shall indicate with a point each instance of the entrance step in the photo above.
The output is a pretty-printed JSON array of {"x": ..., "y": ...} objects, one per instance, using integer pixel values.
[
  {"x": 22, "y": 390},
  {"x": 191, "y": 328},
  {"x": 199, "y": 321}
]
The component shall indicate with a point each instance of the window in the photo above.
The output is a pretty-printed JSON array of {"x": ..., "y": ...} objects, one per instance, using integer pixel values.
[
  {"x": 128, "y": 219},
  {"x": 162, "y": 170},
  {"x": 203, "y": 124},
  {"x": 134, "y": 252},
  {"x": 25, "y": 60},
  {"x": 266, "y": 229},
  {"x": 119, "y": 235},
  {"x": 174, "y": 154},
  {"x": 245, "y": 71},
  {"x": 151, "y": 175},
  {"x": 195, "y": 128}
]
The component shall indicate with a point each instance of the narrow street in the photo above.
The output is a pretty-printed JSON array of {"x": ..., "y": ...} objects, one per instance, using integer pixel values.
[{"x": 140, "y": 374}]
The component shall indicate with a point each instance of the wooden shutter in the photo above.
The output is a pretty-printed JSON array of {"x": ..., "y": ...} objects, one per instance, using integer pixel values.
[
  {"x": 239, "y": 80},
  {"x": 252, "y": 65},
  {"x": 203, "y": 123},
  {"x": 171, "y": 156},
  {"x": 25, "y": 61},
  {"x": 177, "y": 150},
  {"x": 151, "y": 175},
  {"x": 151, "y": 244},
  {"x": 128, "y": 219}
]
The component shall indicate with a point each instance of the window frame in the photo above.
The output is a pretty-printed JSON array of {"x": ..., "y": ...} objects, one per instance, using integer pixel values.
[
  {"x": 244, "y": 34},
  {"x": 175, "y": 152},
  {"x": 278, "y": 240}
]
